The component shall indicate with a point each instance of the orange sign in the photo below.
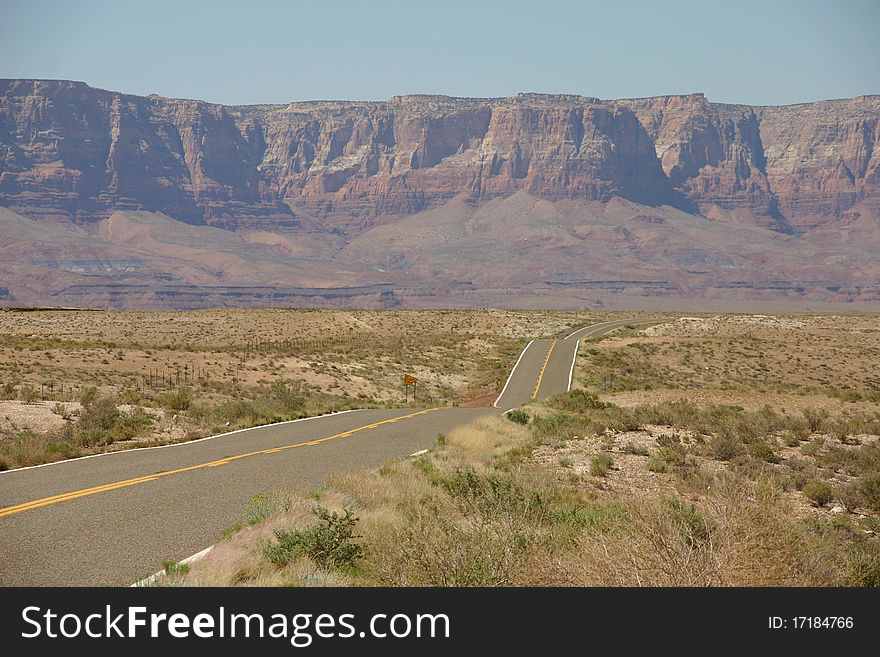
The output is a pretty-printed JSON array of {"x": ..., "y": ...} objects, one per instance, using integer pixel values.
[{"x": 409, "y": 378}]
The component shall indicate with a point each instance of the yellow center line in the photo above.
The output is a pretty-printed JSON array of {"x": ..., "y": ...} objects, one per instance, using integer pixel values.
[
  {"x": 94, "y": 490},
  {"x": 543, "y": 367}
]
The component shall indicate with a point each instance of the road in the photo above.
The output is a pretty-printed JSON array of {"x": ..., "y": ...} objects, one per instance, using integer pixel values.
[{"x": 112, "y": 519}]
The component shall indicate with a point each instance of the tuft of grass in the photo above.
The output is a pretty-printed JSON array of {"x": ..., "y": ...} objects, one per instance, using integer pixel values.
[
  {"x": 261, "y": 507},
  {"x": 519, "y": 416},
  {"x": 601, "y": 464},
  {"x": 656, "y": 464},
  {"x": 175, "y": 569}
]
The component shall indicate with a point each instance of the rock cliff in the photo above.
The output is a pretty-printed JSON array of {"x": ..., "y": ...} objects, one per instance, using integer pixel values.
[{"x": 72, "y": 152}]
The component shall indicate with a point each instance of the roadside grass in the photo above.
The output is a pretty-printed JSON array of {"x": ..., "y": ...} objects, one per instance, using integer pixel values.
[{"x": 479, "y": 510}]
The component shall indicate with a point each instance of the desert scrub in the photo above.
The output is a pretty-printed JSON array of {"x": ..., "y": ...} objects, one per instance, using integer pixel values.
[
  {"x": 819, "y": 492},
  {"x": 725, "y": 446},
  {"x": 491, "y": 495},
  {"x": 601, "y": 464},
  {"x": 518, "y": 415},
  {"x": 869, "y": 486},
  {"x": 330, "y": 543}
]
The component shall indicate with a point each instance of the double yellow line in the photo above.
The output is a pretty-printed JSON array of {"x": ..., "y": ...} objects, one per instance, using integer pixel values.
[
  {"x": 94, "y": 490},
  {"x": 543, "y": 367}
]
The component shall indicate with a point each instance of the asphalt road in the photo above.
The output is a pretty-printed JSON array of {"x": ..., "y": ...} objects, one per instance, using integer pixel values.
[{"x": 113, "y": 519}]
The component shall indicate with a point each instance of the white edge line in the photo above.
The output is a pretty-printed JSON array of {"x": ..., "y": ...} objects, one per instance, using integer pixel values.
[
  {"x": 592, "y": 327},
  {"x": 573, "y": 359},
  {"x": 507, "y": 383},
  {"x": 419, "y": 453},
  {"x": 146, "y": 581},
  {"x": 180, "y": 444}
]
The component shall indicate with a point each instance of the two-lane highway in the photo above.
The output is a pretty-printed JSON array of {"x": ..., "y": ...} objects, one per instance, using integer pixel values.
[
  {"x": 113, "y": 518},
  {"x": 553, "y": 361}
]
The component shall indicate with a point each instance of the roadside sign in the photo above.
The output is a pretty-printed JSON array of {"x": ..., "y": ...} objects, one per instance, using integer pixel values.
[{"x": 408, "y": 379}]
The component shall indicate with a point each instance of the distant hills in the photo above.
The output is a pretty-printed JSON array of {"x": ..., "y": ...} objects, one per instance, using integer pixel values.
[{"x": 115, "y": 200}]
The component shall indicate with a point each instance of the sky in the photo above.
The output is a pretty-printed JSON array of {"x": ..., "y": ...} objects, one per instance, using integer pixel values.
[{"x": 766, "y": 52}]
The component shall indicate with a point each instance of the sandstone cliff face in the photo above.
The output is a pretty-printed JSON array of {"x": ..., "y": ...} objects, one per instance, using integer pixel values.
[{"x": 71, "y": 151}]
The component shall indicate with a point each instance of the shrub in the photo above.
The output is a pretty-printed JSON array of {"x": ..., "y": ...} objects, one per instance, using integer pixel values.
[
  {"x": 656, "y": 464},
  {"x": 600, "y": 464},
  {"x": 870, "y": 488},
  {"x": 175, "y": 400},
  {"x": 98, "y": 416},
  {"x": 490, "y": 496},
  {"x": 130, "y": 396},
  {"x": 518, "y": 416},
  {"x": 28, "y": 394},
  {"x": 761, "y": 449},
  {"x": 637, "y": 450},
  {"x": 88, "y": 395},
  {"x": 850, "y": 496},
  {"x": 815, "y": 418},
  {"x": 577, "y": 401},
  {"x": 725, "y": 445},
  {"x": 863, "y": 564},
  {"x": 670, "y": 450},
  {"x": 8, "y": 390},
  {"x": 4, "y": 464},
  {"x": 692, "y": 525},
  {"x": 330, "y": 544},
  {"x": 812, "y": 448},
  {"x": 819, "y": 491},
  {"x": 61, "y": 410}
]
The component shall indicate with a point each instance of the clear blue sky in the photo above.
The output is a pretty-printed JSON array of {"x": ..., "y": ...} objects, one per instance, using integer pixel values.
[{"x": 260, "y": 51}]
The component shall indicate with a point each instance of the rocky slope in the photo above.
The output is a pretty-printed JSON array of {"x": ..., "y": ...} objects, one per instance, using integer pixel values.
[{"x": 113, "y": 199}]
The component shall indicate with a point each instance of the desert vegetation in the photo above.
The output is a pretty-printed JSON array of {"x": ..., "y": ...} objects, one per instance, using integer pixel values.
[
  {"x": 177, "y": 376},
  {"x": 730, "y": 484},
  {"x": 576, "y": 497}
]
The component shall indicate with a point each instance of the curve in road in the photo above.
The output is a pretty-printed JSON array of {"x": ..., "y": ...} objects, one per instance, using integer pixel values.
[{"x": 106, "y": 521}]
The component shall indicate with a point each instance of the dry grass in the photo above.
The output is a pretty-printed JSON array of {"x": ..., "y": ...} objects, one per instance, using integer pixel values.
[
  {"x": 662, "y": 491},
  {"x": 330, "y": 360}
]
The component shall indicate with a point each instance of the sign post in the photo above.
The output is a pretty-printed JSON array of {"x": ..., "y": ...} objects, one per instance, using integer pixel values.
[{"x": 409, "y": 379}]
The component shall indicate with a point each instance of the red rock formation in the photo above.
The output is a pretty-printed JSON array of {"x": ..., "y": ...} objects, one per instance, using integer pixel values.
[{"x": 68, "y": 150}]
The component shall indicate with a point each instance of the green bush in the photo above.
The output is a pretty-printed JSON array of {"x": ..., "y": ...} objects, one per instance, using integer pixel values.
[
  {"x": 330, "y": 544},
  {"x": 518, "y": 416},
  {"x": 601, "y": 464},
  {"x": 870, "y": 488},
  {"x": 819, "y": 491}
]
